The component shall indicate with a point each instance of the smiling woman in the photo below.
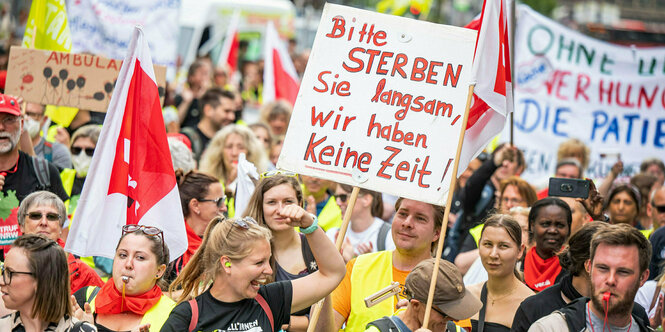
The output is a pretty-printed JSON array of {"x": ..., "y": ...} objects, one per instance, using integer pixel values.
[
  {"x": 549, "y": 222},
  {"x": 224, "y": 281}
]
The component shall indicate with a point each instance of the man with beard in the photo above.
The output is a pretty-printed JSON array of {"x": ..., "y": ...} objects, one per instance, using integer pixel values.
[
  {"x": 20, "y": 174},
  {"x": 618, "y": 266}
]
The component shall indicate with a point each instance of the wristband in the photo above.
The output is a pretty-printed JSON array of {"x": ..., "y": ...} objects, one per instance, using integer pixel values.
[{"x": 312, "y": 227}]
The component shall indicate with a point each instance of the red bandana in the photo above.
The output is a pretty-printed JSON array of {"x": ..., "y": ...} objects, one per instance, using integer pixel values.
[
  {"x": 109, "y": 300},
  {"x": 193, "y": 243},
  {"x": 540, "y": 273}
]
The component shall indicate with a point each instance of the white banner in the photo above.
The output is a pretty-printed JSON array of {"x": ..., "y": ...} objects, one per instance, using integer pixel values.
[
  {"x": 105, "y": 27},
  {"x": 568, "y": 85},
  {"x": 381, "y": 103}
]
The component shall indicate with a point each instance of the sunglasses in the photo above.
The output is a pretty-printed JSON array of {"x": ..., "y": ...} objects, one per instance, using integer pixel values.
[
  {"x": 219, "y": 201},
  {"x": 277, "y": 172},
  {"x": 50, "y": 216},
  {"x": 659, "y": 208},
  {"x": 342, "y": 197},
  {"x": 147, "y": 230},
  {"x": 77, "y": 150},
  {"x": 244, "y": 223}
]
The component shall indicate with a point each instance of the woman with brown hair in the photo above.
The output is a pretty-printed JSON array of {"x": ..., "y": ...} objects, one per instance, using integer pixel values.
[
  {"x": 35, "y": 283},
  {"x": 132, "y": 298},
  {"x": 500, "y": 249}
]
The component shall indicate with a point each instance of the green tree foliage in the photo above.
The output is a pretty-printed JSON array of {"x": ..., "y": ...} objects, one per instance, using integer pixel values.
[{"x": 544, "y": 7}]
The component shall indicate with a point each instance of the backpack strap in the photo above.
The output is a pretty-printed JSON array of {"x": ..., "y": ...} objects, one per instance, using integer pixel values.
[
  {"x": 266, "y": 308},
  {"x": 195, "y": 139},
  {"x": 195, "y": 314},
  {"x": 384, "y": 324},
  {"x": 93, "y": 294},
  {"x": 41, "y": 171},
  {"x": 381, "y": 238}
]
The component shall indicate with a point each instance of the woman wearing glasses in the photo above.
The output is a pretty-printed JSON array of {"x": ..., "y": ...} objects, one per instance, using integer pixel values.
[
  {"x": 132, "y": 298},
  {"x": 291, "y": 254},
  {"x": 82, "y": 147},
  {"x": 228, "y": 275},
  {"x": 202, "y": 199},
  {"x": 35, "y": 283},
  {"x": 42, "y": 212}
]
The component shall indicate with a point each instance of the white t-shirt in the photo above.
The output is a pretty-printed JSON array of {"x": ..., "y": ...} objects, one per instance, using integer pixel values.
[
  {"x": 645, "y": 294},
  {"x": 369, "y": 235}
]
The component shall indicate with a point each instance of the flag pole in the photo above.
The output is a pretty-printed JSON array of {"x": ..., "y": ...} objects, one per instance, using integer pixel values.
[
  {"x": 513, "y": 21},
  {"x": 444, "y": 223},
  {"x": 316, "y": 310}
]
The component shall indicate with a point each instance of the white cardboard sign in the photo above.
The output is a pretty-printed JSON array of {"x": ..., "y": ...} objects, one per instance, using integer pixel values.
[{"x": 381, "y": 103}]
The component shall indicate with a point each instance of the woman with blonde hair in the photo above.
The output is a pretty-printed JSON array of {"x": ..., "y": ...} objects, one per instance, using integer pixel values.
[
  {"x": 220, "y": 159},
  {"x": 227, "y": 277}
]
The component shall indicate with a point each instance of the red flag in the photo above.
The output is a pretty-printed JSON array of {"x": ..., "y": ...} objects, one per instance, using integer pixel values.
[
  {"x": 280, "y": 80},
  {"x": 492, "y": 99},
  {"x": 229, "y": 54},
  {"x": 131, "y": 178}
]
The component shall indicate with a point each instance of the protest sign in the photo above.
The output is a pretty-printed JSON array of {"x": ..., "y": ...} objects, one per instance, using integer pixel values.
[
  {"x": 66, "y": 79},
  {"x": 105, "y": 27},
  {"x": 381, "y": 104},
  {"x": 572, "y": 86}
]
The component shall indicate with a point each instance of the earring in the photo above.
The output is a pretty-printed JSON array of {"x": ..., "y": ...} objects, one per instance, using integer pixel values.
[
  {"x": 157, "y": 276},
  {"x": 227, "y": 264}
]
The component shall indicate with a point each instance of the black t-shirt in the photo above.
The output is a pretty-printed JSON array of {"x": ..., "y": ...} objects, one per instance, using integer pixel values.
[
  {"x": 242, "y": 316},
  {"x": 25, "y": 181},
  {"x": 193, "y": 115}
]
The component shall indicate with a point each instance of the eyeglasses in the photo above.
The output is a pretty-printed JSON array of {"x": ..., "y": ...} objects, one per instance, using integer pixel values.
[
  {"x": 440, "y": 312},
  {"x": 147, "y": 230},
  {"x": 659, "y": 208},
  {"x": 219, "y": 201},
  {"x": 10, "y": 120},
  {"x": 342, "y": 197},
  {"x": 244, "y": 222},
  {"x": 8, "y": 274},
  {"x": 50, "y": 216},
  {"x": 77, "y": 150},
  {"x": 277, "y": 172}
]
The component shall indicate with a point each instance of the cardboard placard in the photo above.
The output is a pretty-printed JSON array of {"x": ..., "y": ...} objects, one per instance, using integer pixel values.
[
  {"x": 83, "y": 81},
  {"x": 381, "y": 103}
]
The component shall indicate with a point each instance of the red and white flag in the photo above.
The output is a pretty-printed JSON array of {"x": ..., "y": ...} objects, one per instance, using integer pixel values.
[
  {"x": 280, "y": 79},
  {"x": 493, "y": 97},
  {"x": 131, "y": 178},
  {"x": 229, "y": 55}
]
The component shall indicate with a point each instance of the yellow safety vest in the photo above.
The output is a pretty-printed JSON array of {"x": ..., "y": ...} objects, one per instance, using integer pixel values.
[
  {"x": 331, "y": 215},
  {"x": 475, "y": 232},
  {"x": 156, "y": 316},
  {"x": 647, "y": 232},
  {"x": 371, "y": 272},
  {"x": 67, "y": 177}
]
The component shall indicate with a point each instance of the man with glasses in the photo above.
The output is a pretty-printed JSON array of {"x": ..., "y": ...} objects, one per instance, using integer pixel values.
[
  {"x": 20, "y": 174},
  {"x": 656, "y": 211},
  {"x": 54, "y": 152},
  {"x": 44, "y": 213}
]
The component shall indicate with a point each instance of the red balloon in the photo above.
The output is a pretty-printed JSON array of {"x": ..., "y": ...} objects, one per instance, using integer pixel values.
[{"x": 28, "y": 78}]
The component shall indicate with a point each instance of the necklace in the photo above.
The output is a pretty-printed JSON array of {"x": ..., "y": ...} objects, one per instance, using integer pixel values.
[{"x": 510, "y": 292}]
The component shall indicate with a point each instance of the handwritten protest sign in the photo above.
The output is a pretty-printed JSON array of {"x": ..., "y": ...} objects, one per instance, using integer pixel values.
[
  {"x": 105, "y": 27},
  {"x": 381, "y": 103},
  {"x": 66, "y": 79},
  {"x": 572, "y": 86}
]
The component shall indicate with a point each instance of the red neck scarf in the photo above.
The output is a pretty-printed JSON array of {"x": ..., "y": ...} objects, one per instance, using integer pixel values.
[
  {"x": 109, "y": 300},
  {"x": 193, "y": 243},
  {"x": 540, "y": 273}
]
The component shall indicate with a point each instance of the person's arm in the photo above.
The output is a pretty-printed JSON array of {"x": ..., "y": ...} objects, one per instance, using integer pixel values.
[
  {"x": 470, "y": 194},
  {"x": 464, "y": 260},
  {"x": 310, "y": 289},
  {"x": 330, "y": 320},
  {"x": 616, "y": 169},
  {"x": 186, "y": 100},
  {"x": 25, "y": 143}
]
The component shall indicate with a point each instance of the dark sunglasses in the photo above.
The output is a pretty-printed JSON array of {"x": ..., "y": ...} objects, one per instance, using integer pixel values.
[
  {"x": 244, "y": 222},
  {"x": 49, "y": 216},
  {"x": 77, "y": 150},
  {"x": 147, "y": 230},
  {"x": 659, "y": 208},
  {"x": 219, "y": 201},
  {"x": 342, "y": 197}
]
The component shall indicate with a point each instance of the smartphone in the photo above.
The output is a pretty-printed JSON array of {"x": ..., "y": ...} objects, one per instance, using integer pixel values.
[{"x": 563, "y": 187}]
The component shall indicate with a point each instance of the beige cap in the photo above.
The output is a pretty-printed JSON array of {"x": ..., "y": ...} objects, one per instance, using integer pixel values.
[{"x": 450, "y": 295}]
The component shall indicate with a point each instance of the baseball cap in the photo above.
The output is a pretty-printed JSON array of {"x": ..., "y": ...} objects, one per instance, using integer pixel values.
[
  {"x": 450, "y": 295},
  {"x": 9, "y": 105}
]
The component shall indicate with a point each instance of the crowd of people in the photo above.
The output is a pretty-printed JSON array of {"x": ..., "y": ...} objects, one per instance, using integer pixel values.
[{"x": 515, "y": 258}]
